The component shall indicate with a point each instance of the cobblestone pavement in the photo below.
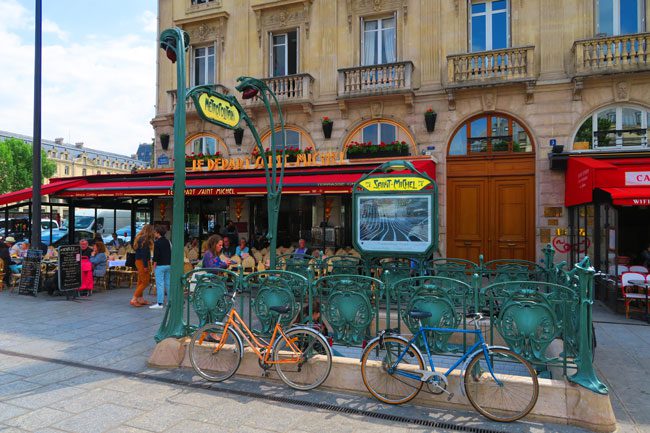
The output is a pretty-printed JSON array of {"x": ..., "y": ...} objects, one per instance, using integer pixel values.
[{"x": 81, "y": 367}]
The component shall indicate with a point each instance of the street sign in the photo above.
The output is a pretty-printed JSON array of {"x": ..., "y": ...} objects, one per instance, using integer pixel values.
[
  {"x": 163, "y": 160},
  {"x": 215, "y": 108},
  {"x": 553, "y": 142},
  {"x": 395, "y": 215}
]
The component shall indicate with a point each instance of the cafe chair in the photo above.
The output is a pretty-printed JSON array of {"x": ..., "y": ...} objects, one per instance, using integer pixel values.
[
  {"x": 633, "y": 294},
  {"x": 101, "y": 283},
  {"x": 248, "y": 265}
]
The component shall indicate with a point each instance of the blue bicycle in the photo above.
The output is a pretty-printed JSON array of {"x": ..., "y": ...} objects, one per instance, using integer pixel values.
[{"x": 500, "y": 384}]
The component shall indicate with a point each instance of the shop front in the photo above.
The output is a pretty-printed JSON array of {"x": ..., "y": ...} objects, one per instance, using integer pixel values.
[{"x": 608, "y": 201}]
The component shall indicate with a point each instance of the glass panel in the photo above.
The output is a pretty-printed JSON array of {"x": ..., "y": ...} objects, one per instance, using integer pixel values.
[
  {"x": 605, "y": 14},
  {"x": 478, "y": 33},
  {"x": 629, "y": 17},
  {"x": 478, "y": 145},
  {"x": 458, "y": 145},
  {"x": 500, "y": 135},
  {"x": 388, "y": 133},
  {"x": 388, "y": 46},
  {"x": 606, "y": 127},
  {"x": 279, "y": 55},
  {"x": 210, "y": 145},
  {"x": 585, "y": 133},
  {"x": 293, "y": 138},
  {"x": 479, "y": 127},
  {"x": 277, "y": 135},
  {"x": 499, "y": 30},
  {"x": 196, "y": 146},
  {"x": 199, "y": 66},
  {"x": 292, "y": 52},
  {"x": 631, "y": 118},
  {"x": 478, "y": 8},
  {"x": 369, "y": 134},
  {"x": 387, "y": 23},
  {"x": 210, "y": 78},
  {"x": 520, "y": 140},
  {"x": 370, "y": 42},
  {"x": 499, "y": 5}
]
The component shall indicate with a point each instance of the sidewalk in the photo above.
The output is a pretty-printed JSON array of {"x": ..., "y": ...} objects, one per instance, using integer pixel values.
[{"x": 104, "y": 331}]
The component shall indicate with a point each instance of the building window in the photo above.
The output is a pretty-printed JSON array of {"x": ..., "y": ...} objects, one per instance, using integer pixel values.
[
  {"x": 379, "y": 41},
  {"x": 619, "y": 17},
  {"x": 380, "y": 132},
  {"x": 66, "y": 170},
  {"x": 200, "y": 2},
  {"x": 495, "y": 134},
  {"x": 206, "y": 145},
  {"x": 293, "y": 139},
  {"x": 284, "y": 53},
  {"x": 489, "y": 29},
  {"x": 204, "y": 66},
  {"x": 83, "y": 172},
  {"x": 613, "y": 127},
  {"x": 377, "y": 133}
]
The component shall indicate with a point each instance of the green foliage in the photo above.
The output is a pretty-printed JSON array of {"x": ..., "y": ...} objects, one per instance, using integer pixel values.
[{"x": 16, "y": 165}]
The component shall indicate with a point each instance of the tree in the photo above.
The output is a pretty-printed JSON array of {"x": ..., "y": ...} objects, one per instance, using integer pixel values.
[{"x": 16, "y": 165}]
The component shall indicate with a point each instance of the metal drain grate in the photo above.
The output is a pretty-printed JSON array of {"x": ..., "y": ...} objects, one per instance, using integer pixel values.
[{"x": 256, "y": 395}]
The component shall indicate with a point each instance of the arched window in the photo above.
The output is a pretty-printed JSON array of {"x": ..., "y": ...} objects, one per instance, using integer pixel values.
[
  {"x": 205, "y": 144},
  {"x": 295, "y": 138},
  {"x": 381, "y": 132},
  {"x": 495, "y": 134},
  {"x": 612, "y": 128}
]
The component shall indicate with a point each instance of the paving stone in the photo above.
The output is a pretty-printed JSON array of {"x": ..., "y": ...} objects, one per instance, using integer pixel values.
[
  {"x": 37, "y": 419},
  {"x": 16, "y": 389},
  {"x": 46, "y": 396},
  {"x": 98, "y": 419},
  {"x": 163, "y": 417},
  {"x": 8, "y": 411},
  {"x": 93, "y": 398}
]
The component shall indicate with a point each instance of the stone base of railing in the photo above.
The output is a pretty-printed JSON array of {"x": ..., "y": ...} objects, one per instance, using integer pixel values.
[{"x": 559, "y": 401}]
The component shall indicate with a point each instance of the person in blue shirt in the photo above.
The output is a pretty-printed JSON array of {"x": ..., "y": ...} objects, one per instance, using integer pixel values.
[{"x": 242, "y": 248}]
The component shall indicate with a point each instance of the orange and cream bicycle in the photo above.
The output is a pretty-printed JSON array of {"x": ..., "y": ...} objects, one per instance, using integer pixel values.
[{"x": 301, "y": 355}]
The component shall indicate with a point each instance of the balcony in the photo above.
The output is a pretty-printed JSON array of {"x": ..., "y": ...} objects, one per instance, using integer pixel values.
[
  {"x": 613, "y": 54},
  {"x": 290, "y": 89},
  {"x": 189, "y": 104},
  {"x": 376, "y": 80},
  {"x": 508, "y": 65}
]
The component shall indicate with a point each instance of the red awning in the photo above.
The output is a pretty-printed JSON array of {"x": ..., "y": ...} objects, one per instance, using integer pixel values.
[
  {"x": 626, "y": 180},
  {"x": 47, "y": 189},
  {"x": 321, "y": 180},
  {"x": 631, "y": 196}
]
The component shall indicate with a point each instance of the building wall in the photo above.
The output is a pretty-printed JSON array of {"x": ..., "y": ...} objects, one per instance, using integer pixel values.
[{"x": 551, "y": 100}]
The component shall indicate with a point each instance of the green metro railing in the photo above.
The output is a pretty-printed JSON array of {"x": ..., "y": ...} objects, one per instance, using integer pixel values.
[{"x": 542, "y": 312}]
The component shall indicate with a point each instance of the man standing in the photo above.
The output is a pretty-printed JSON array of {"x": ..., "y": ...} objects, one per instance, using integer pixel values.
[{"x": 162, "y": 259}]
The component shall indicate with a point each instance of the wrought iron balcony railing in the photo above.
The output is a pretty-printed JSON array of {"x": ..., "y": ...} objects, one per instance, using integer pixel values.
[
  {"x": 489, "y": 67},
  {"x": 376, "y": 79},
  {"x": 611, "y": 54},
  {"x": 290, "y": 88}
]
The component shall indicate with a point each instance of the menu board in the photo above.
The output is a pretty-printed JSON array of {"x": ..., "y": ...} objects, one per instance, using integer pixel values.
[
  {"x": 30, "y": 273},
  {"x": 69, "y": 268}
]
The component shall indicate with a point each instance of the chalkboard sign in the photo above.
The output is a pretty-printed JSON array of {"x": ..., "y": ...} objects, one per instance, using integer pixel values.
[
  {"x": 30, "y": 274},
  {"x": 69, "y": 268}
]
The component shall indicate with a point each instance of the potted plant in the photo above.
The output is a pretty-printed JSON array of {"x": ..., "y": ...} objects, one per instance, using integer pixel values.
[
  {"x": 189, "y": 159},
  {"x": 239, "y": 135},
  {"x": 327, "y": 124},
  {"x": 291, "y": 152},
  {"x": 356, "y": 150},
  {"x": 164, "y": 141},
  {"x": 430, "y": 119}
]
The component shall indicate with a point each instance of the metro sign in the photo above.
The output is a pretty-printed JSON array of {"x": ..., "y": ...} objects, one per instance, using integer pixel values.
[{"x": 637, "y": 178}]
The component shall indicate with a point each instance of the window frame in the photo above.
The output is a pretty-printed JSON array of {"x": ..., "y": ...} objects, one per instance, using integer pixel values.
[
  {"x": 379, "y": 125},
  {"x": 286, "y": 32},
  {"x": 380, "y": 40},
  {"x": 193, "y": 63},
  {"x": 490, "y": 152},
  {"x": 616, "y": 18},
  {"x": 489, "y": 45},
  {"x": 618, "y": 126}
]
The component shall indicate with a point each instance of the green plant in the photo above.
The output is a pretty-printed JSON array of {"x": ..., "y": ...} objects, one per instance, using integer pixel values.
[
  {"x": 326, "y": 120},
  {"x": 429, "y": 112}
]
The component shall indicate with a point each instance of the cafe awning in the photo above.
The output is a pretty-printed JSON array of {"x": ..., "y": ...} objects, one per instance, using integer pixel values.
[
  {"x": 313, "y": 180},
  {"x": 47, "y": 189},
  {"x": 627, "y": 181}
]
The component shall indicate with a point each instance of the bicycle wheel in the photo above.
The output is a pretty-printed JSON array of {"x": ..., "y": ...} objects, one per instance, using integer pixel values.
[
  {"x": 211, "y": 361},
  {"x": 391, "y": 388},
  {"x": 308, "y": 368},
  {"x": 511, "y": 399}
]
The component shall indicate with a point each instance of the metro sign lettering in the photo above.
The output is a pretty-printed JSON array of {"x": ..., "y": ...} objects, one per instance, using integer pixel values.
[{"x": 637, "y": 178}]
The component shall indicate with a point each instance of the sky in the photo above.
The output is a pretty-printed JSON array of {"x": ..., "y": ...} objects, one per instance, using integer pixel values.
[{"x": 99, "y": 71}]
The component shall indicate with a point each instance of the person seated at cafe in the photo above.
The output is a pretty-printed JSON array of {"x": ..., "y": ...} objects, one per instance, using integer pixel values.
[
  {"x": 86, "y": 251},
  {"x": 14, "y": 249},
  {"x": 98, "y": 259},
  {"x": 115, "y": 242},
  {"x": 192, "y": 250},
  {"x": 51, "y": 254},
  {"x": 24, "y": 247},
  {"x": 242, "y": 249},
  {"x": 5, "y": 256},
  {"x": 228, "y": 248},
  {"x": 213, "y": 252},
  {"x": 302, "y": 248}
]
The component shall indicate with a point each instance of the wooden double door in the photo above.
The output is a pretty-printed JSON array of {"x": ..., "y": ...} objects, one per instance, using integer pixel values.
[{"x": 491, "y": 209}]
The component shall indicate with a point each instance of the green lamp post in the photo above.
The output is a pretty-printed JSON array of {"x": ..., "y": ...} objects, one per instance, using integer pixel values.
[{"x": 174, "y": 42}]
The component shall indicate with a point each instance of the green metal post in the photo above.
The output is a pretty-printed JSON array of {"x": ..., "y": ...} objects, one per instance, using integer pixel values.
[
  {"x": 586, "y": 376},
  {"x": 174, "y": 41}
]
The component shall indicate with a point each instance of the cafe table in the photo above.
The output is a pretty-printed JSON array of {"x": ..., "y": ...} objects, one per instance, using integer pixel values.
[{"x": 645, "y": 285}]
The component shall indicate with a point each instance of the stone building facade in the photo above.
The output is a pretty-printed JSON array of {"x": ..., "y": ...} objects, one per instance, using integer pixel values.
[{"x": 506, "y": 79}]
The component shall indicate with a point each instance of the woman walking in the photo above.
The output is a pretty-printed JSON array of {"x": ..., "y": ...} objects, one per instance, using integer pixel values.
[{"x": 142, "y": 244}]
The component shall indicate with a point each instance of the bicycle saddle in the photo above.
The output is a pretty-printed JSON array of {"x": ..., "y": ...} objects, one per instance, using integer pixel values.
[
  {"x": 417, "y": 314},
  {"x": 281, "y": 309}
]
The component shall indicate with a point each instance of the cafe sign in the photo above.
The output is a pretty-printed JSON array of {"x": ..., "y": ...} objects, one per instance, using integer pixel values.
[
  {"x": 637, "y": 178},
  {"x": 215, "y": 109},
  {"x": 315, "y": 159},
  {"x": 402, "y": 183}
]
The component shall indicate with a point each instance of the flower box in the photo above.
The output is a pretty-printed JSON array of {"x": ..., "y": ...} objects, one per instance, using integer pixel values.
[{"x": 356, "y": 150}]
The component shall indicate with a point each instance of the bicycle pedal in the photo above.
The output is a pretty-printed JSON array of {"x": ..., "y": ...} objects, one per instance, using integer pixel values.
[{"x": 450, "y": 396}]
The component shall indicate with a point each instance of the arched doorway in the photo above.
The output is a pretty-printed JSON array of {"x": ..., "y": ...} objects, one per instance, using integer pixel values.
[{"x": 491, "y": 190}]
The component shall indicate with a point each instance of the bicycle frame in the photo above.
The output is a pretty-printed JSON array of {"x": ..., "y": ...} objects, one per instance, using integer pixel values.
[
  {"x": 257, "y": 344},
  {"x": 424, "y": 376}
]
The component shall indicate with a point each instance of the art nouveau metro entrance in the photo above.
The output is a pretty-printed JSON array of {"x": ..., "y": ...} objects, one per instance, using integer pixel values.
[{"x": 491, "y": 190}]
